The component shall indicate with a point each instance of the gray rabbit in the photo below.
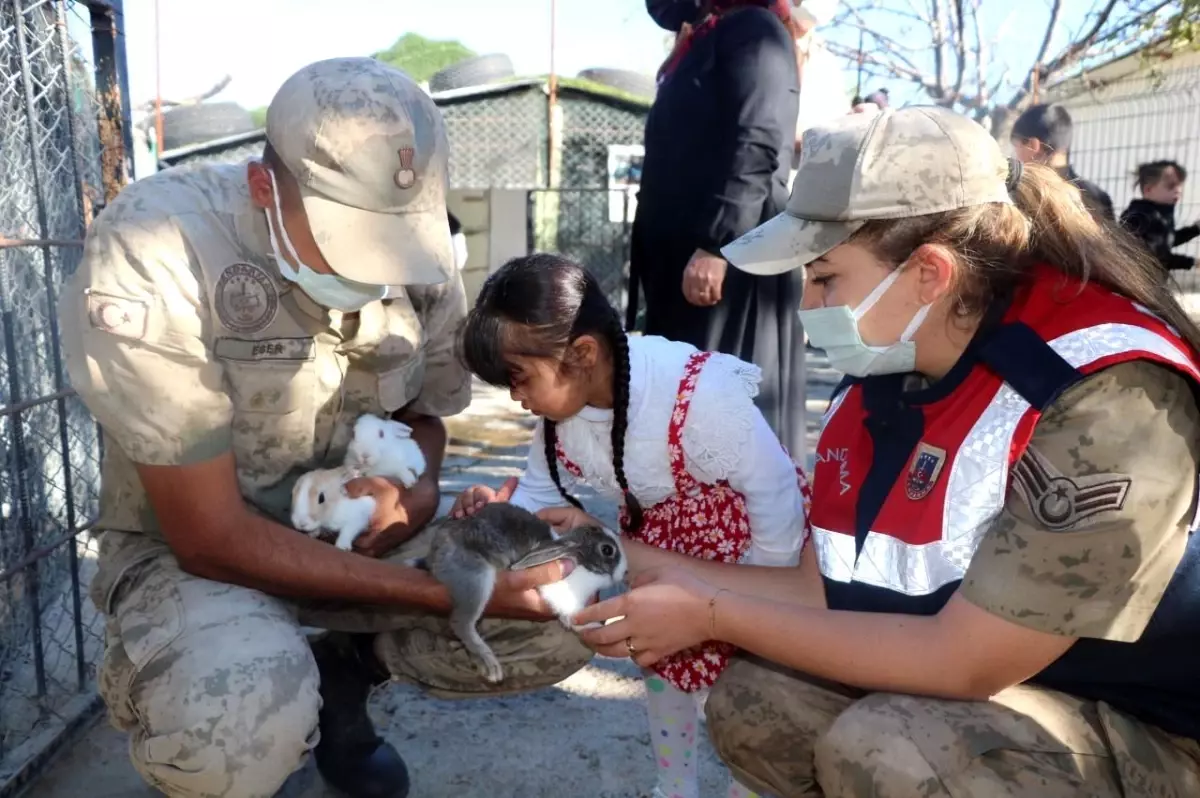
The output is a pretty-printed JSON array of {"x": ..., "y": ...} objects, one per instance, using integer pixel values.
[{"x": 465, "y": 554}]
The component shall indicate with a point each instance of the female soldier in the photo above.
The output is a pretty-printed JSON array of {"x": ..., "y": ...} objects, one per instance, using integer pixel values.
[{"x": 1003, "y": 592}]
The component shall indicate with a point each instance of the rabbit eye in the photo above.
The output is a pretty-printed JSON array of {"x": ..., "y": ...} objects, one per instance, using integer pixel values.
[
  {"x": 321, "y": 497},
  {"x": 608, "y": 549},
  {"x": 381, "y": 434}
]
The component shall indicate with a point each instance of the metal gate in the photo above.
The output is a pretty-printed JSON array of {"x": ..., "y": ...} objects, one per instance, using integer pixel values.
[
  {"x": 64, "y": 139},
  {"x": 591, "y": 226}
]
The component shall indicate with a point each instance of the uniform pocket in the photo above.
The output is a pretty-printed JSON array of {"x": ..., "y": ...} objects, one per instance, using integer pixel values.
[
  {"x": 401, "y": 385},
  {"x": 273, "y": 387},
  {"x": 1149, "y": 761},
  {"x": 274, "y": 376},
  {"x": 146, "y": 617}
]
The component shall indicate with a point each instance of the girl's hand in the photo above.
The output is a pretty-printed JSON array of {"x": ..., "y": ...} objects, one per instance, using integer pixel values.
[
  {"x": 665, "y": 612},
  {"x": 473, "y": 499},
  {"x": 564, "y": 519}
]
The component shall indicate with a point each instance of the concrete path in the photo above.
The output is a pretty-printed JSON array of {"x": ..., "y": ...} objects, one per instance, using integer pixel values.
[{"x": 584, "y": 737}]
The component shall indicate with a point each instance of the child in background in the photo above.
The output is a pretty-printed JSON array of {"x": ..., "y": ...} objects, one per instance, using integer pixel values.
[
  {"x": 670, "y": 432},
  {"x": 1152, "y": 218},
  {"x": 1042, "y": 134}
]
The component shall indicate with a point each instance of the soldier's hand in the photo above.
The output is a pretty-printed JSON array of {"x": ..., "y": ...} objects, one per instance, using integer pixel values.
[
  {"x": 399, "y": 512},
  {"x": 516, "y": 596}
]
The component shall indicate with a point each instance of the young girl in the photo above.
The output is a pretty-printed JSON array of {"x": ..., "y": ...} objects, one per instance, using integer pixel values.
[
  {"x": 670, "y": 432},
  {"x": 1152, "y": 218}
]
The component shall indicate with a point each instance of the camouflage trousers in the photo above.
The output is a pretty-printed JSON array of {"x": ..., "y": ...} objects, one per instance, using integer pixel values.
[
  {"x": 793, "y": 736},
  {"x": 217, "y": 687}
]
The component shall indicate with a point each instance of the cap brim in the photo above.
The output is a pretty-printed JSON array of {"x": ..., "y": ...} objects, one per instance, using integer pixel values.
[
  {"x": 381, "y": 248},
  {"x": 786, "y": 243}
]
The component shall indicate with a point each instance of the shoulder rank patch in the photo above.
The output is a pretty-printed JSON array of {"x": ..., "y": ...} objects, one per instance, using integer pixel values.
[
  {"x": 924, "y": 471},
  {"x": 1061, "y": 503},
  {"x": 118, "y": 315}
]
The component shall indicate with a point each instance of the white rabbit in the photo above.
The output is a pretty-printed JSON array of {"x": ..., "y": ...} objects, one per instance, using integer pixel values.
[
  {"x": 385, "y": 448},
  {"x": 320, "y": 504},
  {"x": 465, "y": 555}
]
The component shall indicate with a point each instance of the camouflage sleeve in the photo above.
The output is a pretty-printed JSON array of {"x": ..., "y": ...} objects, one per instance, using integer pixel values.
[
  {"x": 133, "y": 321},
  {"x": 446, "y": 386},
  {"x": 1098, "y": 508}
]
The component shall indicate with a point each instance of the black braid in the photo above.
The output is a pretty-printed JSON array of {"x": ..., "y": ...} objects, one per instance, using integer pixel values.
[
  {"x": 550, "y": 433},
  {"x": 620, "y": 354}
]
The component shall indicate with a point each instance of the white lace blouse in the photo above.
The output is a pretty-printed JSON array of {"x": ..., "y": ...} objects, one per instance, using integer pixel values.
[{"x": 724, "y": 437}]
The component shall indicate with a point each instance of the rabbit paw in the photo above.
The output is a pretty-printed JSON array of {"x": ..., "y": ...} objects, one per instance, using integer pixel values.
[
  {"x": 493, "y": 672},
  {"x": 582, "y": 627}
]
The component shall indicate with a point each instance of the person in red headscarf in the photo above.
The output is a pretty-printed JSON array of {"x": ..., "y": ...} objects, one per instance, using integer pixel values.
[{"x": 719, "y": 142}]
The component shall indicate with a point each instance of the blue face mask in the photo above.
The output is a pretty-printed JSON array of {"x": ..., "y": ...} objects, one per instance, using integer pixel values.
[{"x": 327, "y": 290}]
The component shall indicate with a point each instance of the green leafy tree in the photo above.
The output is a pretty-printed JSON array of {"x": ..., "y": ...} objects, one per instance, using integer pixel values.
[{"x": 421, "y": 57}]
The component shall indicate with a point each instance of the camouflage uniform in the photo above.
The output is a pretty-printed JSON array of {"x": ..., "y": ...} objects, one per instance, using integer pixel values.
[
  {"x": 1124, "y": 440},
  {"x": 185, "y": 342},
  {"x": 791, "y": 735}
]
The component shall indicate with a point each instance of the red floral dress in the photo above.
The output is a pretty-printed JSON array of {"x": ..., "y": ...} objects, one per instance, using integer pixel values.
[{"x": 703, "y": 520}]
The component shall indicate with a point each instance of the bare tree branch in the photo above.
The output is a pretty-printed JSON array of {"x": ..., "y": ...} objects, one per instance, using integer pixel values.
[
  {"x": 1051, "y": 26},
  {"x": 960, "y": 46},
  {"x": 193, "y": 100},
  {"x": 941, "y": 46}
]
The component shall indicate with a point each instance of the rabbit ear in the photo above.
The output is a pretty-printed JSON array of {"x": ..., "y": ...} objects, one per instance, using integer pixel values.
[{"x": 547, "y": 552}]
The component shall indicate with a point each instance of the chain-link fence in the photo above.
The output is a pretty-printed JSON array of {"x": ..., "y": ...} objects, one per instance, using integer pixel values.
[
  {"x": 590, "y": 226},
  {"x": 587, "y": 213},
  {"x": 1132, "y": 112},
  {"x": 497, "y": 136},
  {"x": 56, "y": 109}
]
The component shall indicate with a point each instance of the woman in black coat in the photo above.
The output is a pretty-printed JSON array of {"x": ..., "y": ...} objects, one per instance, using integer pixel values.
[{"x": 719, "y": 142}]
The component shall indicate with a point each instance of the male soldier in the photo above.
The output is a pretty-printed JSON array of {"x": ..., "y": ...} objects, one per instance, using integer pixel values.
[{"x": 226, "y": 327}]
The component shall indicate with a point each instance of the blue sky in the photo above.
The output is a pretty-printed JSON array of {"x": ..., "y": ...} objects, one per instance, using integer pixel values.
[{"x": 261, "y": 42}]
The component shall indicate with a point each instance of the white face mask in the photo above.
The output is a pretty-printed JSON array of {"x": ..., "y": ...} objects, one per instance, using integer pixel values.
[
  {"x": 836, "y": 331},
  {"x": 327, "y": 290}
]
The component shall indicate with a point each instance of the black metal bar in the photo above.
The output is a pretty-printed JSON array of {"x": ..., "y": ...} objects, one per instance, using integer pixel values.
[
  {"x": 14, "y": 382},
  {"x": 16, "y": 408},
  {"x": 44, "y": 551},
  {"x": 55, "y": 345},
  {"x": 112, "y": 92},
  {"x": 16, "y": 243}
]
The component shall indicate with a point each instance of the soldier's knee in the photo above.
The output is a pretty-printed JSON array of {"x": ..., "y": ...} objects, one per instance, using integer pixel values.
[
  {"x": 532, "y": 656},
  {"x": 868, "y": 750},
  {"x": 732, "y": 699},
  {"x": 246, "y": 728}
]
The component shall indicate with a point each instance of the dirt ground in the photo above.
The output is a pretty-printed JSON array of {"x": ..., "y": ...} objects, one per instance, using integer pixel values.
[{"x": 586, "y": 736}]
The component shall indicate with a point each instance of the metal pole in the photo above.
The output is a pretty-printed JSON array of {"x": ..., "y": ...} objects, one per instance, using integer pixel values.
[
  {"x": 64, "y": 439},
  {"x": 551, "y": 104},
  {"x": 112, "y": 89},
  {"x": 158, "y": 120},
  {"x": 553, "y": 72},
  {"x": 10, "y": 352}
]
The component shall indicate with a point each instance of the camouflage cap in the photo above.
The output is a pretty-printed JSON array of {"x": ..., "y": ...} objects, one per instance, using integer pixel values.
[
  {"x": 369, "y": 150},
  {"x": 891, "y": 165}
]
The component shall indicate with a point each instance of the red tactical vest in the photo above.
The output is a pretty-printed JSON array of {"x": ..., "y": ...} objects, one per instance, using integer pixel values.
[{"x": 957, "y": 476}]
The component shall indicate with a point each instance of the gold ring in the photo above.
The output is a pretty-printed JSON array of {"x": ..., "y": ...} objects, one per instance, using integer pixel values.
[{"x": 629, "y": 647}]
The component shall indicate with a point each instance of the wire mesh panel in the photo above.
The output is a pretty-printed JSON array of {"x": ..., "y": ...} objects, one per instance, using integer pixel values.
[
  {"x": 592, "y": 126},
  {"x": 50, "y": 174},
  {"x": 1143, "y": 115},
  {"x": 497, "y": 138},
  {"x": 576, "y": 223}
]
